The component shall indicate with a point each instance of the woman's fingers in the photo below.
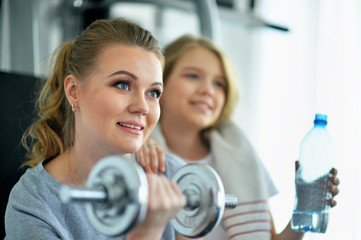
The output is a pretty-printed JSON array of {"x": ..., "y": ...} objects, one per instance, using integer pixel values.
[{"x": 165, "y": 200}]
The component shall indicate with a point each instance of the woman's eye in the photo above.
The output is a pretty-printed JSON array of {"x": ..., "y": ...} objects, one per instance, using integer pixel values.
[
  {"x": 155, "y": 93},
  {"x": 124, "y": 85}
]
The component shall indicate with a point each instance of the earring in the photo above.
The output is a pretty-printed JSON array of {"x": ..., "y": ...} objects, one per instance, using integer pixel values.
[{"x": 73, "y": 108}]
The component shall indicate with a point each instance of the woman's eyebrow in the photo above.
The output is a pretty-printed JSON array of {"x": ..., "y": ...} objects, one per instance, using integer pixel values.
[
  {"x": 123, "y": 72},
  {"x": 158, "y": 84}
]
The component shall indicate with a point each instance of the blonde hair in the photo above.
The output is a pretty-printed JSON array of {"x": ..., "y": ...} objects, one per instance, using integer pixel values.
[
  {"x": 54, "y": 130},
  {"x": 173, "y": 52}
]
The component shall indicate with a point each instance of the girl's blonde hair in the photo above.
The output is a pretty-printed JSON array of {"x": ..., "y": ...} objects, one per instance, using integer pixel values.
[{"x": 53, "y": 132}]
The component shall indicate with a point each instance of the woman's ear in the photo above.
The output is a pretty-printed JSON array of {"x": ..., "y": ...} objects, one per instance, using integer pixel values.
[{"x": 71, "y": 87}]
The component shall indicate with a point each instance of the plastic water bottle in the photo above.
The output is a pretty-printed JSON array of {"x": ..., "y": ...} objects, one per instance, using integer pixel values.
[{"x": 316, "y": 155}]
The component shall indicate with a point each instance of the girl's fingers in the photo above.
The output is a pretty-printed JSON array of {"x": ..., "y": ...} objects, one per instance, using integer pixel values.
[
  {"x": 334, "y": 186},
  {"x": 143, "y": 159},
  {"x": 334, "y": 190},
  {"x": 147, "y": 160},
  {"x": 334, "y": 171},
  {"x": 140, "y": 157},
  {"x": 297, "y": 165},
  {"x": 332, "y": 202},
  {"x": 335, "y": 180},
  {"x": 153, "y": 158},
  {"x": 161, "y": 159}
]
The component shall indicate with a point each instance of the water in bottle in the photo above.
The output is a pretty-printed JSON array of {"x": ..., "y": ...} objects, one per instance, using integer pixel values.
[{"x": 311, "y": 208}]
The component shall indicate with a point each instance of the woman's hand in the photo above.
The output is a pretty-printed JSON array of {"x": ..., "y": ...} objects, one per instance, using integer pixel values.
[
  {"x": 165, "y": 201},
  {"x": 151, "y": 157},
  {"x": 333, "y": 187}
]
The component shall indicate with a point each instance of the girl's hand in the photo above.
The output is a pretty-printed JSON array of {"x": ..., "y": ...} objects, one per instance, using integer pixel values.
[
  {"x": 151, "y": 157},
  {"x": 333, "y": 187}
]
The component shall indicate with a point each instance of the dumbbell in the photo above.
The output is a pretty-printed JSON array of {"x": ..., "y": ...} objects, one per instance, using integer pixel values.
[{"x": 116, "y": 197}]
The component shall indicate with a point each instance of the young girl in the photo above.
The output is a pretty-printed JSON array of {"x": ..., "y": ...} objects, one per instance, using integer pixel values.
[{"x": 199, "y": 97}]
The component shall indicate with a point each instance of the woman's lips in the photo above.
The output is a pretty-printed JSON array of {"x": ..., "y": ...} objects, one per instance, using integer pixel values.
[{"x": 131, "y": 128}]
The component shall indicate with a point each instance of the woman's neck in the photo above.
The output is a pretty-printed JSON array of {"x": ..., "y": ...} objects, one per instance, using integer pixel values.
[
  {"x": 73, "y": 166},
  {"x": 82, "y": 160},
  {"x": 185, "y": 142}
]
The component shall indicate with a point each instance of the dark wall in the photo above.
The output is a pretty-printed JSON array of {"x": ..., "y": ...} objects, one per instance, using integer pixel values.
[{"x": 17, "y": 110}]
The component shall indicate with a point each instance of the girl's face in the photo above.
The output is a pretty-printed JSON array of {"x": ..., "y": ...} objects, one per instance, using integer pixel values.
[
  {"x": 118, "y": 103},
  {"x": 195, "y": 90}
]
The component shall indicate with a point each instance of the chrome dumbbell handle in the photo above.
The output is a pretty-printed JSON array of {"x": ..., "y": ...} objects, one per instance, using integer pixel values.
[
  {"x": 116, "y": 197},
  {"x": 231, "y": 201},
  {"x": 93, "y": 195},
  {"x": 193, "y": 200},
  {"x": 84, "y": 194}
]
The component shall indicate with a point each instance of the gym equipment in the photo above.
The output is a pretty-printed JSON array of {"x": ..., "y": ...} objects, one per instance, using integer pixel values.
[
  {"x": 116, "y": 197},
  {"x": 206, "y": 200}
]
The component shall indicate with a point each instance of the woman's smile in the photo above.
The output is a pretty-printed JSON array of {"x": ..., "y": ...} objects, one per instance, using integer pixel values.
[{"x": 131, "y": 127}]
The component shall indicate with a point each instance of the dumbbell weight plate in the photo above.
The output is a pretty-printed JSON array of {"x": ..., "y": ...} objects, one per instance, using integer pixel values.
[
  {"x": 118, "y": 217},
  {"x": 202, "y": 179}
]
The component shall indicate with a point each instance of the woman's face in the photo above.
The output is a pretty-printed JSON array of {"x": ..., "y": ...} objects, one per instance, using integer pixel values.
[
  {"x": 118, "y": 103},
  {"x": 195, "y": 90}
]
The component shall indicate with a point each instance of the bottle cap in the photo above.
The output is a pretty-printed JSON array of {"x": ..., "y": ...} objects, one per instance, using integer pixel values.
[{"x": 320, "y": 119}]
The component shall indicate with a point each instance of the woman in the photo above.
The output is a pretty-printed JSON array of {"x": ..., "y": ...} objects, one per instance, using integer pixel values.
[
  {"x": 101, "y": 99},
  {"x": 199, "y": 97}
]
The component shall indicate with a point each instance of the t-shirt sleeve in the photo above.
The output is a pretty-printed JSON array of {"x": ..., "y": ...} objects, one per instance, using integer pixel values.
[{"x": 22, "y": 222}]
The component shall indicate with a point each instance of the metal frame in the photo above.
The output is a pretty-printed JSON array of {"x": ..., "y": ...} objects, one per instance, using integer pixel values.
[{"x": 21, "y": 44}]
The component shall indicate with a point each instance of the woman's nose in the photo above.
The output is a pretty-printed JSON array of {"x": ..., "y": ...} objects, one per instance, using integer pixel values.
[{"x": 139, "y": 105}]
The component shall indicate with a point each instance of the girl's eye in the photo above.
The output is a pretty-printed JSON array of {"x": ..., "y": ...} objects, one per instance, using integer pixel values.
[
  {"x": 219, "y": 84},
  {"x": 192, "y": 76},
  {"x": 124, "y": 85},
  {"x": 155, "y": 93}
]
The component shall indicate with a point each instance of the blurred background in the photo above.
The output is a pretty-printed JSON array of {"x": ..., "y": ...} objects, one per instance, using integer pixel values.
[{"x": 294, "y": 59}]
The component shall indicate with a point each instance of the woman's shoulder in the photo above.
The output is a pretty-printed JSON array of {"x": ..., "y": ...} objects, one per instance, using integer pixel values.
[{"x": 35, "y": 183}]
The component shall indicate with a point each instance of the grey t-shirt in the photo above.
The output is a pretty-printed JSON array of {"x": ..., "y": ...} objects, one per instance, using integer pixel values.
[{"x": 34, "y": 210}]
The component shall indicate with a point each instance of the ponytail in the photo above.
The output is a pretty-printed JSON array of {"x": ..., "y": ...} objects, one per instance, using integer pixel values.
[{"x": 44, "y": 138}]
